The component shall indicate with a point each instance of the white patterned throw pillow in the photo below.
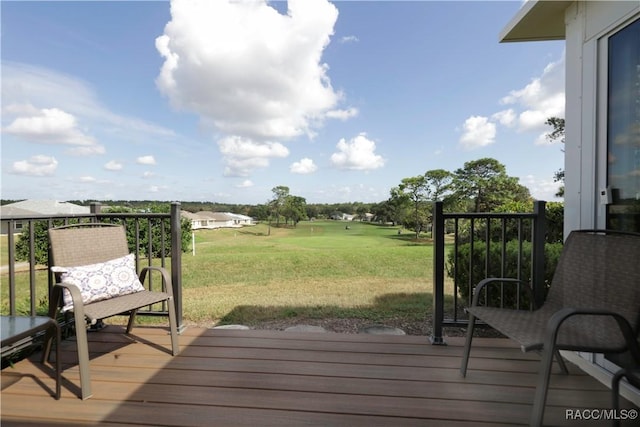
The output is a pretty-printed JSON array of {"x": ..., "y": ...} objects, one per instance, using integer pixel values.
[{"x": 100, "y": 281}]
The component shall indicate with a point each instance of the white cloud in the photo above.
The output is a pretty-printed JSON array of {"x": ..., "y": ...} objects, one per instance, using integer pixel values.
[
  {"x": 348, "y": 39},
  {"x": 531, "y": 106},
  {"x": 505, "y": 117},
  {"x": 242, "y": 155},
  {"x": 478, "y": 132},
  {"x": 51, "y": 126},
  {"x": 87, "y": 151},
  {"x": 148, "y": 174},
  {"x": 25, "y": 86},
  {"x": 245, "y": 184},
  {"x": 357, "y": 154},
  {"x": 113, "y": 166},
  {"x": 146, "y": 160},
  {"x": 304, "y": 166},
  {"x": 542, "y": 98},
  {"x": 342, "y": 114},
  {"x": 248, "y": 70},
  {"x": 87, "y": 179},
  {"x": 39, "y": 165},
  {"x": 542, "y": 139},
  {"x": 542, "y": 188}
]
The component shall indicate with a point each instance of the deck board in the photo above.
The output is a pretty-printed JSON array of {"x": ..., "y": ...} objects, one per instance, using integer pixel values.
[{"x": 226, "y": 377}]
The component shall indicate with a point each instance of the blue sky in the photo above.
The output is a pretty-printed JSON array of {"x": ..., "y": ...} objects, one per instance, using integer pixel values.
[{"x": 222, "y": 101}]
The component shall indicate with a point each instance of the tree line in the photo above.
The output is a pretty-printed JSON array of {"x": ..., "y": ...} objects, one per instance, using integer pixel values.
[{"x": 481, "y": 185}]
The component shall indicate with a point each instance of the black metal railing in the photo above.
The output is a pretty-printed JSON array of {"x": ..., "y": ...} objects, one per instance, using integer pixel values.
[
  {"x": 16, "y": 276},
  {"x": 472, "y": 245}
]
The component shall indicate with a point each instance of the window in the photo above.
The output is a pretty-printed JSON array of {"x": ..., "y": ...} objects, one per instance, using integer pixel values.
[{"x": 623, "y": 128}]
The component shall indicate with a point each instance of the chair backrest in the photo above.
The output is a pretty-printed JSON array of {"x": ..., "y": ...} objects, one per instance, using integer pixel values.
[
  {"x": 599, "y": 270},
  {"x": 82, "y": 244}
]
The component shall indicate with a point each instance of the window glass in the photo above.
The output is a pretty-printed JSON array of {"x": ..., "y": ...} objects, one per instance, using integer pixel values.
[{"x": 623, "y": 129}]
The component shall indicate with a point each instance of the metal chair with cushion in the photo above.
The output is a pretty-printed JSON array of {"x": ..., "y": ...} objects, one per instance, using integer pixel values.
[
  {"x": 96, "y": 279},
  {"x": 593, "y": 305}
]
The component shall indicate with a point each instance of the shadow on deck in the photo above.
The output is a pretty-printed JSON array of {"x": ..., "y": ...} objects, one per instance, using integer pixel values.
[{"x": 265, "y": 378}]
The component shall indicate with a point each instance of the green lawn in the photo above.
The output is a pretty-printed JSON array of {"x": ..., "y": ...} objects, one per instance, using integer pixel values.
[{"x": 316, "y": 270}]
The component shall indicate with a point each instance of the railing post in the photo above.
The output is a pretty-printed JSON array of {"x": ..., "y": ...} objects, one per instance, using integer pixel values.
[
  {"x": 176, "y": 261},
  {"x": 438, "y": 273},
  {"x": 95, "y": 207},
  {"x": 537, "y": 251}
]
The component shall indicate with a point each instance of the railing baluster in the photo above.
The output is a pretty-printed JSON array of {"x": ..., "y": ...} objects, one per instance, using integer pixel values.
[
  {"x": 32, "y": 268},
  {"x": 12, "y": 267},
  {"x": 503, "y": 257},
  {"x": 519, "y": 269},
  {"x": 150, "y": 250},
  {"x": 470, "y": 265},
  {"x": 487, "y": 254},
  {"x": 456, "y": 244},
  {"x": 537, "y": 251},
  {"x": 50, "y": 278}
]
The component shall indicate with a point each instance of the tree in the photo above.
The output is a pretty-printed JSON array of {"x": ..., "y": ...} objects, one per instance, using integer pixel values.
[
  {"x": 438, "y": 182},
  {"x": 294, "y": 209},
  {"x": 361, "y": 212},
  {"x": 396, "y": 205},
  {"x": 382, "y": 212},
  {"x": 416, "y": 190},
  {"x": 312, "y": 211},
  {"x": 557, "y": 134},
  {"x": 259, "y": 212},
  {"x": 280, "y": 194},
  {"x": 485, "y": 183}
]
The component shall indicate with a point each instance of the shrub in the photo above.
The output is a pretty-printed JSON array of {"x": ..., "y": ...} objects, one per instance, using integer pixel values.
[
  {"x": 40, "y": 243},
  {"x": 467, "y": 281}
]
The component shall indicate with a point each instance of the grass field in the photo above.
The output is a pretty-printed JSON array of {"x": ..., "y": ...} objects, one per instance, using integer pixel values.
[{"x": 315, "y": 270}]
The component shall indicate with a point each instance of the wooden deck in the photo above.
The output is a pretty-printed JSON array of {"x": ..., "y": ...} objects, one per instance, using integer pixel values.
[{"x": 270, "y": 378}]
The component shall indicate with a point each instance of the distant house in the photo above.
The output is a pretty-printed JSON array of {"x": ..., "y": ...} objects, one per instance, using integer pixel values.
[
  {"x": 36, "y": 208},
  {"x": 340, "y": 216},
  {"x": 210, "y": 220}
]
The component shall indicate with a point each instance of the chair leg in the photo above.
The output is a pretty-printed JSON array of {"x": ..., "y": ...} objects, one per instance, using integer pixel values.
[
  {"x": 615, "y": 393},
  {"x": 537, "y": 414},
  {"x": 561, "y": 363},
  {"x": 54, "y": 302},
  {"x": 175, "y": 346},
  {"x": 467, "y": 345},
  {"x": 132, "y": 318},
  {"x": 83, "y": 356}
]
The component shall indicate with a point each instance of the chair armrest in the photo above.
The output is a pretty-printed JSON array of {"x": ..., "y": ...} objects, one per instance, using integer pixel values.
[
  {"x": 485, "y": 282},
  {"x": 166, "y": 278},
  {"x": 560, "y": 316},
  {"x": 76, "y": 298}
]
